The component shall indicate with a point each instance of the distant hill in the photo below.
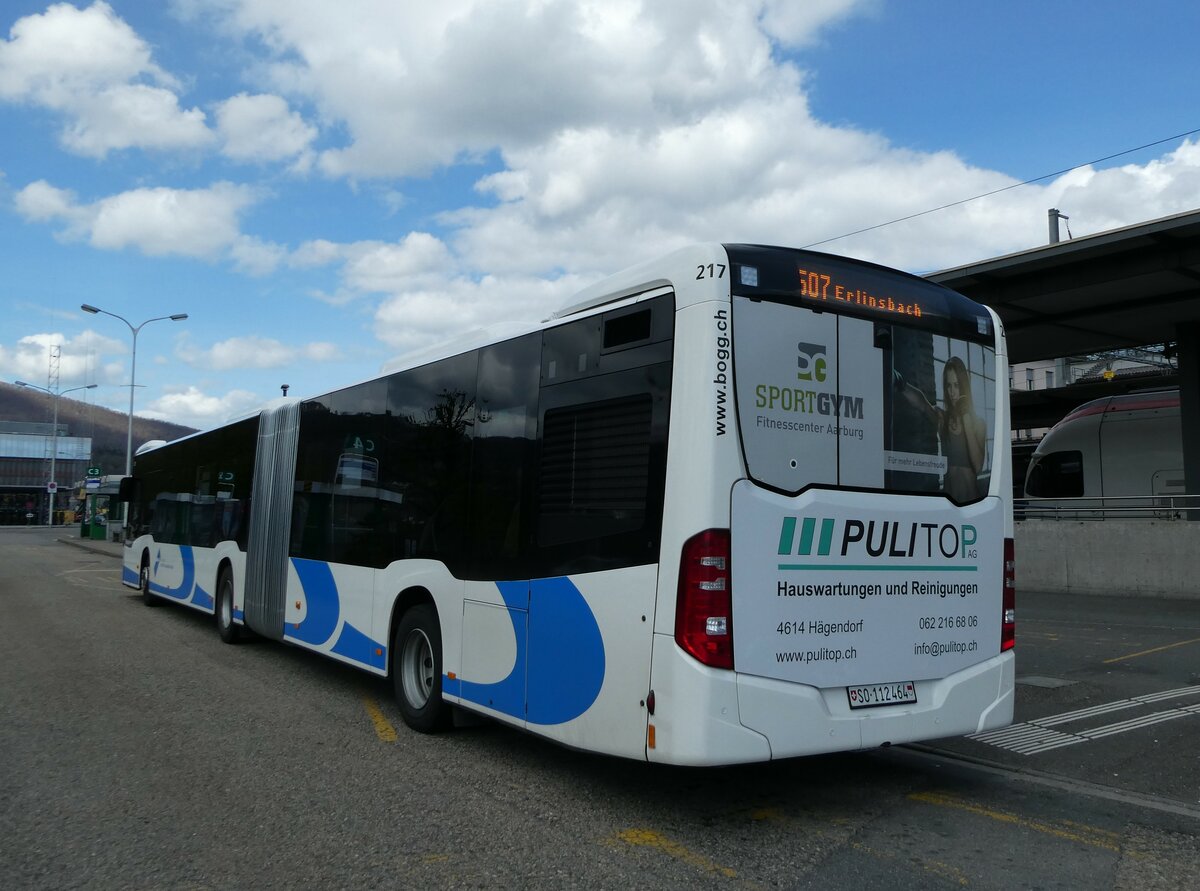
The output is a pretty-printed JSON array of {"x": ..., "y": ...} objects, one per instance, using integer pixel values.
[{"x": 107, "y": 428}]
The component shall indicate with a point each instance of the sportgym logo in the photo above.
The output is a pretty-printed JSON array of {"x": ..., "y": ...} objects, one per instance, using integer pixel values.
[{"x": 811, "y": 362}]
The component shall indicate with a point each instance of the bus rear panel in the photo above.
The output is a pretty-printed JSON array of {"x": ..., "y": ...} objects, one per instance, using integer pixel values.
[{"x": 855, "y": 593}]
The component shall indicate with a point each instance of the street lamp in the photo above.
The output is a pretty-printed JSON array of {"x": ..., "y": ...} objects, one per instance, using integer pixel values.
[
  {"x": 134, "y": 329},
  {"x": 54, "y": 434}
]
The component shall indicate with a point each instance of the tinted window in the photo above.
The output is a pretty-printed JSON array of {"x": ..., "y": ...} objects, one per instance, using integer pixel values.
[
  {"x": 595, "y": 471},
  {"x": 197, "y": 491},
  {"x": 381, "y": 464},
  {"x": 601, "y": 461},
  {"x": 339, "y": 508},
  {"x": 431, "y": 416},
  {"x": 502, "y": 455},
  {"x": 829, "y": 400},
  {"x": 445, "y": 461},
  {"x": 1056, "y": 475}
]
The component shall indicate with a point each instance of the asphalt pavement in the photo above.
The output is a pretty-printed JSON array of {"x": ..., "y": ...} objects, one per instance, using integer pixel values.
[
  {"x": 1108, "y": 693},
  {"x": 138, "y": 751}
]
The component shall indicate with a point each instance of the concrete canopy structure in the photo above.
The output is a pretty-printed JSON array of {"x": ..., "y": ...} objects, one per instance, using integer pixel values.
[{"x": 1124, "y": 288}]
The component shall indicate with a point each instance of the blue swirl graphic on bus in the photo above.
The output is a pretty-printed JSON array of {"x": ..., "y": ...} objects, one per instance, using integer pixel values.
[
  {"x": 322, "y": 602},
  {"x": 559, "y": 665},
  {"x": 324, "y": 607},
  {"x": 183, "y": 590},
  {"x": 187, "y": 588},
  {"x": 566, "y": 652}
]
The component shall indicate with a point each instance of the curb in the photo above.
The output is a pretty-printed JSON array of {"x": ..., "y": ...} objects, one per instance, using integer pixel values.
[{"x": 94, "y": 547}]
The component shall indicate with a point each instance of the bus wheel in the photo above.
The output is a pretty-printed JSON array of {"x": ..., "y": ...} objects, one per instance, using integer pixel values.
[
  {"x": 230, "y": 633},
  {"x": 144, "y": 583},
  {"x": 417, "y": 670}
]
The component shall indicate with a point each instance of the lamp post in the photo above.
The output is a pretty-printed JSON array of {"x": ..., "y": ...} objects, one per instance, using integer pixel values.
[
  {"x": 133, "y": 329},
  {"x": 54, "y": 434}
]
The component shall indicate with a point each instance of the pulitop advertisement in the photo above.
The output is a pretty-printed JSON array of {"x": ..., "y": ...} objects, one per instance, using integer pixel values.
[
  {"x": 836, "y": 587},
  {"x": 829, "y": 589}
]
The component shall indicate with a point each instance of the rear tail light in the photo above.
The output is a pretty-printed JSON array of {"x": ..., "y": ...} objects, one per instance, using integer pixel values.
[
  {"x": 1008, "y": 627},
  {"x": 704, "y": 604}
]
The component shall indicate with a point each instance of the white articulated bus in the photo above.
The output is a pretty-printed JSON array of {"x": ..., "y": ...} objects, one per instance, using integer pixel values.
[{"x": 738, "y": 504}]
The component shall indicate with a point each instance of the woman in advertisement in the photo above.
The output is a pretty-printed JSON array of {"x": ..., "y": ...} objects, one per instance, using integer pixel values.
[{"x": 962, "y": 432}]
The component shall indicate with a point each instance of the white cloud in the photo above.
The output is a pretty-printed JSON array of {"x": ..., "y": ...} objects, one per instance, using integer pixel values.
[
  {"x": 316, "y": 253},
  {"x": 133, "y": 115},
  {"x": 256, "y": 257},
  {"x": 1097, "y": 200},
  {"x": 455, "y": 80},
  {"x": 82, "y": 359},
  {"x": 200, "y": 223},
  {"x": 41, "y": 202},
  {"x": 414, "y": 319},
  {"x": 379, "y": 267},
  {"x": 196, "y": 223},
  {"x": 262, "y": 128},
  {"x": 376, "y": 267},
  {"x": 195, "y": 408},
  {"x": 255, "y": 352},
  {"x": 798, "y": 24},
  {"x": 92, "y": 68}
]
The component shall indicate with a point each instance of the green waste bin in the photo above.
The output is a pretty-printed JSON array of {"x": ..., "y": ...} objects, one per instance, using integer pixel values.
[{"x": 95, "y": 518}]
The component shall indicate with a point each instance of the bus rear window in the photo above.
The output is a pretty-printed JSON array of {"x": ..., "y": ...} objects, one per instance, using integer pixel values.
[{"x": 826, "y": 399}]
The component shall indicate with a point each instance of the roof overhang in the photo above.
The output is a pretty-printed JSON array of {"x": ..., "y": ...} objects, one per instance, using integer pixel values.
[{"x": 1123, "y": 288}]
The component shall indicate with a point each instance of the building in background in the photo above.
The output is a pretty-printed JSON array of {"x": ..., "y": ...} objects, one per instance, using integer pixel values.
[{"x": 25, "y": 451}]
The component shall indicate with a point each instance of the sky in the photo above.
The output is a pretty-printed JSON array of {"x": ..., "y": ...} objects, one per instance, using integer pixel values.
[{"x": 326, "y": 187}]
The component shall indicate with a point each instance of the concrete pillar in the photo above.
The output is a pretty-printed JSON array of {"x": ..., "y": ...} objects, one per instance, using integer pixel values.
[{"x": 1187, "y": 335}]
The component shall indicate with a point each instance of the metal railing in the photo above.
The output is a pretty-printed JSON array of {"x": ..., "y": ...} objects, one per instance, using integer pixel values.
[{"x": 1125, "y": 507}]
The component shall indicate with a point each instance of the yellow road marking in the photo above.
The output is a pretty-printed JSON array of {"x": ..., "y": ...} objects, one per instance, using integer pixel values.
[
  {"x": 383, "y": 727},
  {"x": 1181, "y": 643},
  {"x": 1076, "y": 832},
  {"x": 1115, "y": 836},
  {"x": 648, "y": 838},
  {"x": 937, "y": 867}
]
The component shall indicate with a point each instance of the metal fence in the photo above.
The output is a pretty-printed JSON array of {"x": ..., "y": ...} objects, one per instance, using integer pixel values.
[{"x": 1126, "y": 507}]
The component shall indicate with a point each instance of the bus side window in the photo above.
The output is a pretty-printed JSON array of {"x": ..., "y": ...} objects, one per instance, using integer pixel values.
[
  {"x": 595, "y": 471},
  {"x": 503, "y": 444}
]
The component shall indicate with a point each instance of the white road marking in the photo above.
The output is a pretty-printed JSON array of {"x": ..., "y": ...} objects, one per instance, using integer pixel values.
[{"x": 1034, "y": 737}]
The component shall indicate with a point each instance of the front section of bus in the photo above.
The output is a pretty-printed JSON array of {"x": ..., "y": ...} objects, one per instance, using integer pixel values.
[{"x": 859, "y": 592}]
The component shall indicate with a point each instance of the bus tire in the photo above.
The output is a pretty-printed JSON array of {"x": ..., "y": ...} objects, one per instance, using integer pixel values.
[
  {"x": 417, "y": 670},
  {"x": 144, "y": 582},
  {"x": 229, "y": 631}
]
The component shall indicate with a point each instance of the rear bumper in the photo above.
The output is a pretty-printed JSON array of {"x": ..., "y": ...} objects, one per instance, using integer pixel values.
[
  {"x": 802, "y": 720},
  {"x": 708, "y": 716}
]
